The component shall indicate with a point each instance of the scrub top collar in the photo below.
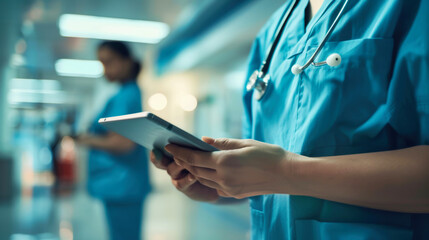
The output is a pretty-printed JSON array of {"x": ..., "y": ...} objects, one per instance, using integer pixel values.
[{"x": 327, "y": 8}]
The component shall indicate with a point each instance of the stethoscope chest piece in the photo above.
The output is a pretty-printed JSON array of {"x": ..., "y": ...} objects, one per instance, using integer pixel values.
[{"x": 259, "y": 82}]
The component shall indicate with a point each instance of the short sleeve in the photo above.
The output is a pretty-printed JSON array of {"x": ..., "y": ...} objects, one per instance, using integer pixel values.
[
  {"x": 127, "y": 101},
  {"x": 408, "y": 95}
]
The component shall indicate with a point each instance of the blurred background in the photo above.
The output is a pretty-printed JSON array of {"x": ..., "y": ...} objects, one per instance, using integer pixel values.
[{"x": 51, "y": 84}]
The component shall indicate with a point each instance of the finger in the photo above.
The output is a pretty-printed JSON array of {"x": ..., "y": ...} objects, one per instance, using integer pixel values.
[
  {"x": 175, "y": 171},
  {"x": 201, "y": 172},
  {"x": 160, "y": 163},
  {"x": 225, "y": 143},
  {"x": 155, "y": 162},
  {"x": 184, "y": 183},
  {"x": 222, "y": 193},
  {"x": 209, "y": 183},
  {"x": 192, "y": 157},
  {"x": 160, "y": 159}
]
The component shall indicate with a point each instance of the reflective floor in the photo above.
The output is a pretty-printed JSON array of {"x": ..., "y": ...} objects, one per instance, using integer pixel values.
[{"x": 40, "y": 214}]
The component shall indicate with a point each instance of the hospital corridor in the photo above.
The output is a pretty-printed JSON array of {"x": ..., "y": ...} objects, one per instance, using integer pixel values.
[{"x": 214, "y": 120}]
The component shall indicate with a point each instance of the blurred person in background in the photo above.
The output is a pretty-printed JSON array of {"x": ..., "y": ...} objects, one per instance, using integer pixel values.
[{"x": 118, "y": 168}]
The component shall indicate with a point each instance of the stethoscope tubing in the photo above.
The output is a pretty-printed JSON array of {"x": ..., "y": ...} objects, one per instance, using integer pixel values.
[
  {"x": 260, "y": 79},
  {"x": 325, "y": 39},
  {"x": 267, "y": 61}
]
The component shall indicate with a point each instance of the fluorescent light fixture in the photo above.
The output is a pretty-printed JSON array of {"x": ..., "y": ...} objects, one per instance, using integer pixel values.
[
  {"x": 23, "y": 90},
  {"x": 52, "y": 97},
  {"x": 25, "y": 84},
  {"x": 79, "y": 68},
  {"x": 72, "y": 25}
]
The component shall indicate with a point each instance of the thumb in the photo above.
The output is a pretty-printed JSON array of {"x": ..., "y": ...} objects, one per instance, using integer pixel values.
[{"x": 224, "y": 143}]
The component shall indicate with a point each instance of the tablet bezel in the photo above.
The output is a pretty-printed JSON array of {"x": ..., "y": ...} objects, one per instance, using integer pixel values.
[{"x": 169, "y": 133}]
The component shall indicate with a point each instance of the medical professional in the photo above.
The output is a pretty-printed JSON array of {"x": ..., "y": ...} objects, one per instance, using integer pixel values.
[
  {"x": 118, "y": 168},
  {"x": 339, "y": 149}
]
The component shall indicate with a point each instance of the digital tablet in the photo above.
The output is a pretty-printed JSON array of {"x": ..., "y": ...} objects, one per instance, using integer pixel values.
[{"x": 153, "y": 132}]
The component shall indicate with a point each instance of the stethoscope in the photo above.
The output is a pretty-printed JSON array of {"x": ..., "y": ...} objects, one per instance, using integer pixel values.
[{"x": 260, "y": 80}]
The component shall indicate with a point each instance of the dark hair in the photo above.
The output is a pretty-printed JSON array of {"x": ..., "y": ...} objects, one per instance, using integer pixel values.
[{"x": 124, "y": 51}]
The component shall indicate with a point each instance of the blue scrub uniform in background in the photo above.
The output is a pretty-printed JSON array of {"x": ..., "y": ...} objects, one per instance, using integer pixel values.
[
  {"x": 121, "y": 181},
  {"x": 377, "y": 99}
]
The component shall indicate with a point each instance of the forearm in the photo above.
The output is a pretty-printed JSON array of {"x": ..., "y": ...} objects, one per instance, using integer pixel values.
[
  {"x": 392, "y": 180},
  {"x": 97, "y": 142},
  {"x": 111, "y": 142}
]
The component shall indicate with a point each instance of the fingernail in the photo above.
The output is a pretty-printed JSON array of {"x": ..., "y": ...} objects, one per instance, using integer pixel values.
[
  {"x": 191, "y": 177},
  {"x": 207, "y": 139},
  {"x": 158, "y": 154},
  {"x": 177, "y": 162},
  {"x": 167, "y": 148}
]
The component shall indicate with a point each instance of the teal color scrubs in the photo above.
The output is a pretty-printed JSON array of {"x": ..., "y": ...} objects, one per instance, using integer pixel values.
[
  {"x": 121, "y": 181},
  {"x": 377, "y": 99}
]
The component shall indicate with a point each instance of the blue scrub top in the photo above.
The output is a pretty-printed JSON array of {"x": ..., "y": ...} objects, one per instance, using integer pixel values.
[
  {"x": 119, "y": 177},
  {"x": 377, "y": 99}
]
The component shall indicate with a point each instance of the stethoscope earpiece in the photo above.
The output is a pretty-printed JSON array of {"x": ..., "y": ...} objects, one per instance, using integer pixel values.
[
  {"x": 296, "y": 69},
  {"x": 333, "y": 60}
]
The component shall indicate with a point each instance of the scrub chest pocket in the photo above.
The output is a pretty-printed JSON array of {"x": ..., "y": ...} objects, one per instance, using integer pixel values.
[
  {"x": 342, "y": 101},
  {"x": 329, "y": 103}
]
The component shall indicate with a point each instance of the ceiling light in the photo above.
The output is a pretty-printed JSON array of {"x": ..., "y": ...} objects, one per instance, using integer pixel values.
[
  {"x": 158, "y": 101},
  {"x": 72, "y": 25},
  {"x": 79, "y": 68},
  {"x": 188, "y": 103},
  {"x": 22, "y": 84}
]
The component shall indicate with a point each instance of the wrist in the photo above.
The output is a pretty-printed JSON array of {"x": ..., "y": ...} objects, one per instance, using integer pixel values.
[{"x": 297, "y": 170}]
